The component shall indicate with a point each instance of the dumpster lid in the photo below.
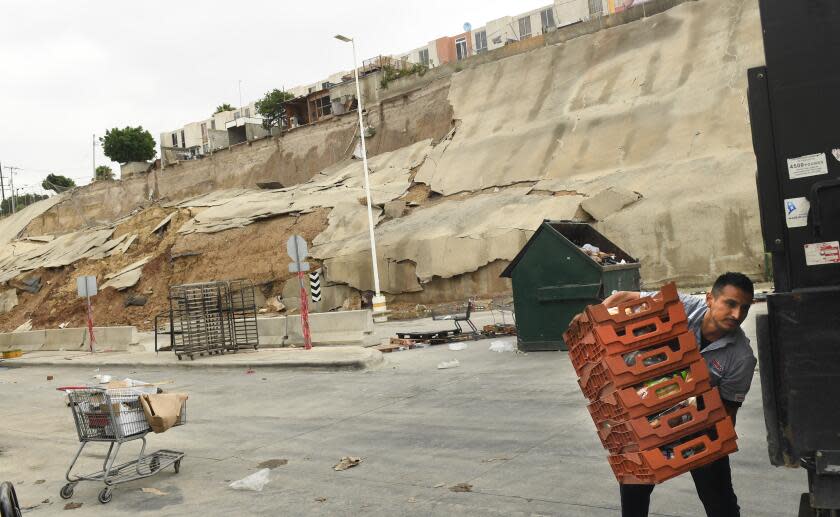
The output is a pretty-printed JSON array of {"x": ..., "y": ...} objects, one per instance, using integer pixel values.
[{"x": 578, "y": 234}]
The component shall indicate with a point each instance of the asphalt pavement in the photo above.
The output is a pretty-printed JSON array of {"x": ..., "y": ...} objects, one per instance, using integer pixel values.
[{"x": 513, "y": 426}]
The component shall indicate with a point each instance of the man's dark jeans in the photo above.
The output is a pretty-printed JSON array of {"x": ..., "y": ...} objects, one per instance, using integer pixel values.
[{"x": 714, "y": 486}]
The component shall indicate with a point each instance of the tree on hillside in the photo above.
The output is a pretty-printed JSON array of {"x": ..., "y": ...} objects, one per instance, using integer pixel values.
[
  {"x": 20, "y": 202},
  {"x": 272, "y": 107},
  {"x": 223, "y": 107},
  {"x": 57, "y": 183},
  {"x": 103, "y": 172},
  {"x": 130, "y": 144}
]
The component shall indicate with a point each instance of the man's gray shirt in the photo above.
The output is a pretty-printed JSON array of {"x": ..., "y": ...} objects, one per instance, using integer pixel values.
[{"x": 731, "y": 360}]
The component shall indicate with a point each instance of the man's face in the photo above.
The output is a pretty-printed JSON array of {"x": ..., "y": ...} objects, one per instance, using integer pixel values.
[{"x": 729, "y": 308}]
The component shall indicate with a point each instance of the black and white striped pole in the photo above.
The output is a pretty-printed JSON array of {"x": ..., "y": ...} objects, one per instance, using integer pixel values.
[{"x": 315, "y": 285}]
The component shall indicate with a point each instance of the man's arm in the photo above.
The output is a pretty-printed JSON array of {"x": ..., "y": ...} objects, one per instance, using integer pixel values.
[
  {"x": 616, "y": 299},
  {"x": 731, "y": 409}
]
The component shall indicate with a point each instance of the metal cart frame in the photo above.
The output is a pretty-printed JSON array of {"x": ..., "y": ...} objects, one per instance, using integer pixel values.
[{"x": 115, "y": 417}]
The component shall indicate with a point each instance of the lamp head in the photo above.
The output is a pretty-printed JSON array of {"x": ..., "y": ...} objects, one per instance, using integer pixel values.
[{"x": 345, "y": 39}]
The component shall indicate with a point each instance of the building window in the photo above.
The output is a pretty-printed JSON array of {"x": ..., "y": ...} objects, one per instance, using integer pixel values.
[
  {"x": 174, "y": 139},
  {"x": 525, "y": 27},
  {"x": 213, "y": 124},
  {"x": 424, "y": 57},
  {"x": 547, "y": 19},
  {"x": 183, "y": 139},
  {"x": 326, "y": 86},
  {"x": 480, "y": 42},
  {"x": 204, "y": 132},
  {"x": 323, "y": 106},
  {"x": 461, "y": 48},
  {"x": 596, "y": 7},
  {"x": 246, "y": 112}
]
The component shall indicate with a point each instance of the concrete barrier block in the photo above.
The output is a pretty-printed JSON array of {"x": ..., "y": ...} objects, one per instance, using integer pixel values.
[
  {"x": 114, "y": 338},
  {"x": 65, "y": 339},
  {"x": 27, "y": 341},
  {"x": 345, "y": 327},
  {"x": 5, "y": 341}
]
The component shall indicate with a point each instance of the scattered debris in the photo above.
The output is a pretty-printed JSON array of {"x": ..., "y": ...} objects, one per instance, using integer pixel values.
[
  {"x": 500, "y": 458},
  {"x": 46, "y": 501},
  {"x": 127, "y": 276},
  {"x": 30, "y": 285},
  {"x": 412, "y": 500},
  {"x": 249, "y": 371},
  {"x": 136, "y": 300},
  {"x": 255, "y": 482},
  {"x": 63, "y": 325},
  {"x": 273, "y": 464},
  {"x": 41, "y": 481},
  {"x": 501, "y": 346},
  {"x": 163, "y": 223},
  {"x": 461, "y": 487},
  {"x": 26, "y": 326},
  {"x": 457, "y": 346},
  {"x": 154, "y": 491},
  {"x": 8, "y": 300},
  {"x": 49, "y": 378},
  {"x": 449, "y": 364},
  {"x": 275, "y": 304},
  {"x": 347, "y": 462},
  {"x": 439, "y": 485},
  {"x": 320, "y": 499},
  {"x": 72, "y": 506}
]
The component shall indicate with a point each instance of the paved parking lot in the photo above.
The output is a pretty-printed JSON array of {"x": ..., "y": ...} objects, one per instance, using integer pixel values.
[{"x": 514, "y": 426}]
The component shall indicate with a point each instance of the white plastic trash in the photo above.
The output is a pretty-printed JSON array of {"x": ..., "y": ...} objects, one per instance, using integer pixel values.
[
  {"x": 457, "y": 346},
  {"x": 448, "y": 364},
  {"x": 255, "y": 482},
  {"x": 501, "y": 346}
]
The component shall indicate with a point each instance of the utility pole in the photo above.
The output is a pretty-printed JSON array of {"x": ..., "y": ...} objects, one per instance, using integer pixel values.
[
  {"x": 2, "y": 189},
  {"x": 12, "y": 184},
  {"x": 94, "y": 157}
]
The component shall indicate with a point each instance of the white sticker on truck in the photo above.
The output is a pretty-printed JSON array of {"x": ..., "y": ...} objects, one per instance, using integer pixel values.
[
  {"x": 796, "y": 212},
  {"x": 804, "y": 166},
  {"x": 820, "y": 253}
]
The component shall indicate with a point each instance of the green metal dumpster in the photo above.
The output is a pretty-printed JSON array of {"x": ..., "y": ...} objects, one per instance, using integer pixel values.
[{"x": 554, "y": 279}]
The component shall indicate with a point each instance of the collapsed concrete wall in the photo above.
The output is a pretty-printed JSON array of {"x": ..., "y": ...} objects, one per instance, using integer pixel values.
[
  {"x": 289, "y": 159},
  {"x": 655, "y": 109}
]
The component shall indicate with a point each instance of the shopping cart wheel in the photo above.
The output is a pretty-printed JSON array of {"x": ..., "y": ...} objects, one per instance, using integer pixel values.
[
  {"x": 177, "y": 466},
  {"x": 67, "y": 491},
  {"x": 105, "y": 495}
]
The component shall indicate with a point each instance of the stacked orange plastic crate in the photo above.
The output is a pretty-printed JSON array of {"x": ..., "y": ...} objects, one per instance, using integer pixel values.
[{"x": 648, "y": 387}]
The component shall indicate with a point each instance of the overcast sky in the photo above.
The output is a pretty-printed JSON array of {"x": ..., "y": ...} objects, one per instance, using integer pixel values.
[{"x": 69, "y": 69}]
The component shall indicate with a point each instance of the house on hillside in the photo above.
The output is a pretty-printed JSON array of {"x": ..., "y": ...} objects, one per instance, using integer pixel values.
[{"x": 509, "y": 29}]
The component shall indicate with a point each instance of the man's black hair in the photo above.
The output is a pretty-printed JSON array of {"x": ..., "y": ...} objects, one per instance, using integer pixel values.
[{"x": 738, "y": 280}]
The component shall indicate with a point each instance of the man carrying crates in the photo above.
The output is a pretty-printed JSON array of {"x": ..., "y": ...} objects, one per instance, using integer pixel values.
[{"x": 716, "y": 324}]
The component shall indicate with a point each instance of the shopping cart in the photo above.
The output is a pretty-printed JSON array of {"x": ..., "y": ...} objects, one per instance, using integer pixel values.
[{"x": 115, "y": 416}]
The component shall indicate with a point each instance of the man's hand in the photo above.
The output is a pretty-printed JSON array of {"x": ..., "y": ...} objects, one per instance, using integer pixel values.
[{"x": 620, "y": 297}]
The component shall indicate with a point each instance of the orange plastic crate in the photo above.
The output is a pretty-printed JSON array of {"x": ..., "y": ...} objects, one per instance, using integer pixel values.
[
  {"x": 634, "y": 310},
  {"x": 642, "y": 332},
  {"x": 613, "y": 372},
  {"x": 652, "y": 466},
  {"x": 640, "y": 434},
  {"x": 625, "y": 404},
  {"x": 578, "y": 327}
]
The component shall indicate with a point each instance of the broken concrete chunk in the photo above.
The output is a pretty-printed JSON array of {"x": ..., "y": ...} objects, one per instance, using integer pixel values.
[
  {"x": 127, "y": 276},
  {"x": 164, "y": 223},
  {"x": 30, "y": 285},
  {"x": 394, "y": 209},
  {"x": 136, "y": 300},
  {"x": 8, "y": 300},
  {"x": 609, "y": 201}
]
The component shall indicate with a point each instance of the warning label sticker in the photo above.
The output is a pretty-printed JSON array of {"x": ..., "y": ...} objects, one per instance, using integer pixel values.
[
  {"x": 804, "y": 166},
  {"x": 796, "y": 212},
  {"x": 821, "y": 253}
]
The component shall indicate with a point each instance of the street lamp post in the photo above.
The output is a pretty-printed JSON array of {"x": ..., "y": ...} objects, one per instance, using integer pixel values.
[{"x": 379, "y": 306}]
